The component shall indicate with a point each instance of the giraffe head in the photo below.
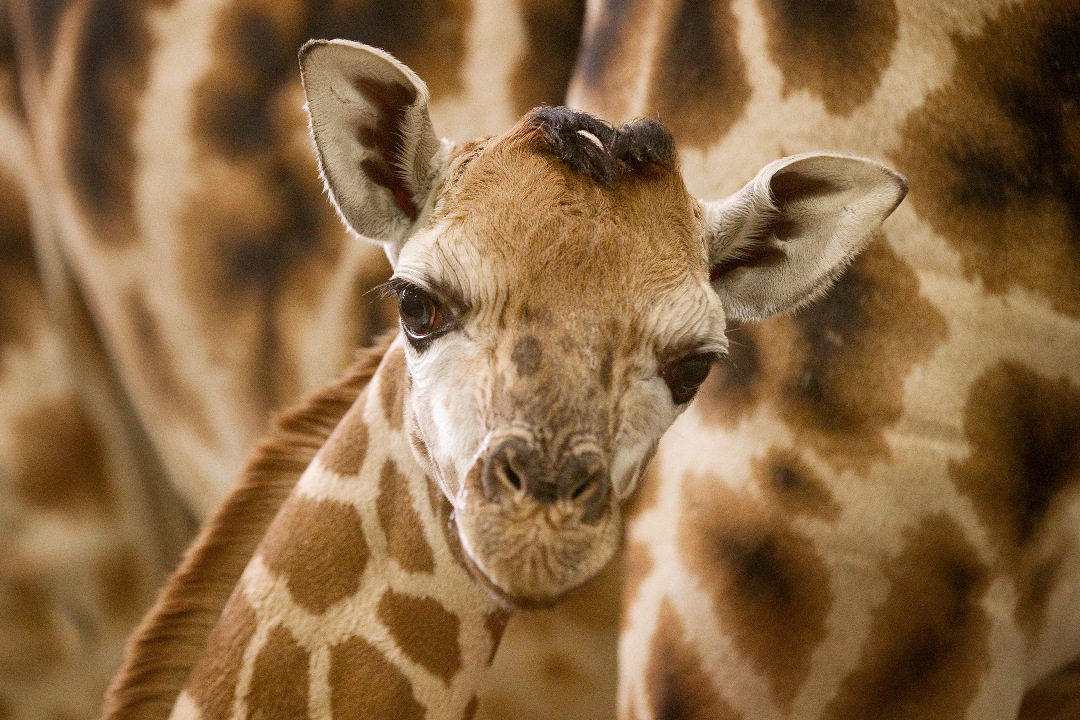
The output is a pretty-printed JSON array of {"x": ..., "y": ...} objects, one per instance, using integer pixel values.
[{"x": 562, "y": 296}]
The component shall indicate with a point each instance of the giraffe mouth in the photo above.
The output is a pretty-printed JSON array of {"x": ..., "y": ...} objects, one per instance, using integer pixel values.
[{"x": 532, "y": 552}]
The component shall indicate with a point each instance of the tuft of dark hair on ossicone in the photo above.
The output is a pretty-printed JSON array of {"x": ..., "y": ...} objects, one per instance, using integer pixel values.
[{"x": 600, "y": 150}]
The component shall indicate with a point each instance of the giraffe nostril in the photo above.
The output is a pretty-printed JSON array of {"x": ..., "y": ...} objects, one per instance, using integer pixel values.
[
  {"x": 511, "y": 478},
  {"x": 583, "y": 486}
]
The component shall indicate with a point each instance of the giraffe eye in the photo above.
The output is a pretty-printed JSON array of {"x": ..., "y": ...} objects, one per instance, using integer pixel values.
[
  {"x": 685, "y": 375},
  {"x": 421, "y": 315}
]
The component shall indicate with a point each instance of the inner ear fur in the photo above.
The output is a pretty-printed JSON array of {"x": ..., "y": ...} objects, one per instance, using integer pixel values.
[
  {"x": 789, "y": 233},
  {"x": 377, "y": 150}
]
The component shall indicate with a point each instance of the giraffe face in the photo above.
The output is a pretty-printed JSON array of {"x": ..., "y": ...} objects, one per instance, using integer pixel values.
[
  {"x": 549, "y": 350},
  {"x": 562, "y": 296}
]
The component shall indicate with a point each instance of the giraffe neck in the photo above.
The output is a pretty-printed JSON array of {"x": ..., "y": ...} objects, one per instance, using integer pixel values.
[{"x": 356, "y": 601}]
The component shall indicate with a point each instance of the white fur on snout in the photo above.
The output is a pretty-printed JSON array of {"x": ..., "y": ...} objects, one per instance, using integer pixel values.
[{"x": 449, "y": 412}]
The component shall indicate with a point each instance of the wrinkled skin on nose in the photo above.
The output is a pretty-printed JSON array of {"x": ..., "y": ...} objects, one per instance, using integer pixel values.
[{"x": 522, "y": 465}]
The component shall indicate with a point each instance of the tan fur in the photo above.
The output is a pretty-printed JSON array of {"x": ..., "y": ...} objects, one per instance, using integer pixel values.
[{"x": 174, "y": 633}]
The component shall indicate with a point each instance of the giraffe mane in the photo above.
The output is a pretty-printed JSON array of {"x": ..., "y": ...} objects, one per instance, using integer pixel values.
[{"x": 170, "y": 637}]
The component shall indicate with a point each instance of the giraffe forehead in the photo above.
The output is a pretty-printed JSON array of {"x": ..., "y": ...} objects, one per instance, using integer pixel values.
[
  {"x": 533, "y": 237},
  {"x": 537, "y": 213}
]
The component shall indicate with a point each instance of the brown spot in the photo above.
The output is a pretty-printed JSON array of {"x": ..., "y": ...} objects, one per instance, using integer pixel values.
[
  {"x": 62, "y": 459},
  {"x": 279, "y": 679},
  {"x": 527, "y": 355},
  {"x": 347, "y": 447},
  {"x": 874, "y": 325},
  {"x": 157, "y": 368},
  {"x": 391, "y": 391},
  {"x": 123, "y": 584},
  {"x": 318, "y": 547},
  {"x": 786, "y": 478},
  {"x": 927, "y": 646},
  {"x": 111, "y": 70},
  {"x": 1056, "y": 697},
  {"x": 424, "y": 630},
  {"x": 31, "y": 625},
  {"x": 993, "y": 156},
  {"x": 263, "y": 254},
  {"x": 405, "y": 539},
  {"x": 553, "y": 32},
  {"x": 1035, "y": 586},
  {"x": 172, "y": 637},
  {"x": 678, "y": 686},
  {"x": 836, "y": 50},
  {"x": 44, "y": 24},
  {"x": 10, "y": 95},
  {"x": 609, "y": 59},
  {"x": 212, "y": 684},
  {"x": 769, "y": 586},
  {"x": 1024, "y": 432},
  {"x": 22, "y": 300},
  {"x": 637, "y": 565},
  {"x": 363, "y": 683},
  {"x": 470, "y": 709},
  {"x": 700, "y": 67}
]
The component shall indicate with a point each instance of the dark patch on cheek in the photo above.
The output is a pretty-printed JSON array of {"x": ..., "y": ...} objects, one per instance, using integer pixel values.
[
  {"x": 677, "y": 684},
  {"x": 928, "y": 643},
  {"x": 527, "y": 355},
  {"x": 836, "y": 49},
  {"x": 553, "y": 31},
  {"x": 1024, "y": 436},
  {"x": 993, "y": 158},
  {"x": 700, "y": 67},
  {"x": 767, "y": 582}
]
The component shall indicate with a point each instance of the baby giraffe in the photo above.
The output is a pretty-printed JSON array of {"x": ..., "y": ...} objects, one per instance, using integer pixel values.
[{"x": 562, "y": 297}]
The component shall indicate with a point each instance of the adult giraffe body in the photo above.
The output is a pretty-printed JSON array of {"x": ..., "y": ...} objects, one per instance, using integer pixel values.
[{"x": 871, "y": 510}]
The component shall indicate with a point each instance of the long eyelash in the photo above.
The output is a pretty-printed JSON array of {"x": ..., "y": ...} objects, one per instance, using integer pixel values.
[{"x": 393, "y": 286}]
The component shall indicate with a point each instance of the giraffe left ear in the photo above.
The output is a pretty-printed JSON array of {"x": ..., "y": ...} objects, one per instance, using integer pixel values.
[
  {"x": 377, "y": 150},
  {"x": 784, "y": 238}
]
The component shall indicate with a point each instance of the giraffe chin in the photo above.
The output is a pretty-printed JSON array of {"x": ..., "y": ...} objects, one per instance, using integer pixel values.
[{"x": 533, "y": 553}]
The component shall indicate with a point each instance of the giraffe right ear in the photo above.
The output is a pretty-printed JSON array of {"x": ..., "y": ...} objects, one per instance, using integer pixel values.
[{"x": 377, "y": 150}]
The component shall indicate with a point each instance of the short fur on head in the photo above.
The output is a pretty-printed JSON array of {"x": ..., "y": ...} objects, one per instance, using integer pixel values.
[{"x": 562, "y": 295}]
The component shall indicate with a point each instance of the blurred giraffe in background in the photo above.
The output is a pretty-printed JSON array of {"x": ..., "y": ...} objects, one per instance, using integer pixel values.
[
  {"x": 872, "y": 508},
  {"x": 172, "y": 274}
]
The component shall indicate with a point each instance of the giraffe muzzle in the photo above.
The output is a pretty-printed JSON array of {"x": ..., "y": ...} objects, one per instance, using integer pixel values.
[{"x": 516, "y": 467}]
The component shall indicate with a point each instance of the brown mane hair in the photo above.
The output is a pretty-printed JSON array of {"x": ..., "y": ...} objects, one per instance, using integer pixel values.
[{"x": 170, "y": 638}]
